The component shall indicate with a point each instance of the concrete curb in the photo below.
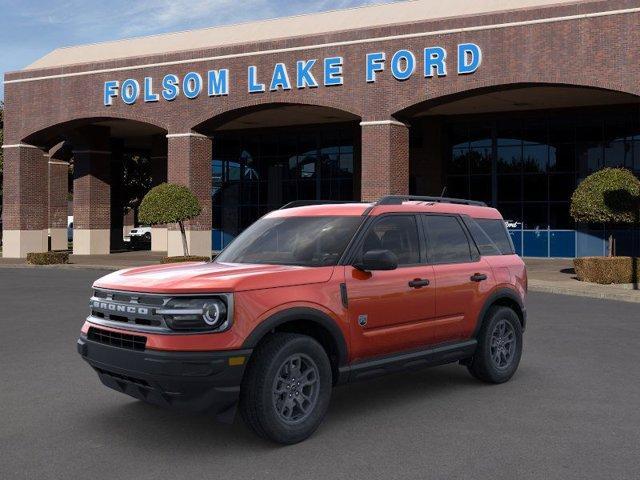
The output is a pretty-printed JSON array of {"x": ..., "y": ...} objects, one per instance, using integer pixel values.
[{"x": 603, "y": 292}]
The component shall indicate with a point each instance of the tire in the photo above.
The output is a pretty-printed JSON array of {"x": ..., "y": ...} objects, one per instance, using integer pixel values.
[
  {"x": 276, "y": 405},
  {"x": 495, "y": 359}
]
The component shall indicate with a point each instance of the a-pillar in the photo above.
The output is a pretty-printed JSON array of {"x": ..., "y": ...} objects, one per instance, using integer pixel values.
[
  {"x": 158, "y": 176},
  {"x": 385, "y": 159},
  {"x": 24, "y": 200},
  {"x": 58, "y": 191},
  {"x": 92, "y": 192},
  {"x": 189, "y": 164}
]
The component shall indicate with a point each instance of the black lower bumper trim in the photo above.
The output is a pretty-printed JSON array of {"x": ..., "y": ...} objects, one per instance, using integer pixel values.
[{"x": 193, "y": 381}]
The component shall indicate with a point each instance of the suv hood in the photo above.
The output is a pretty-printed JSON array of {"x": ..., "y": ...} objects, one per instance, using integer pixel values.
[{"x": 211, "y": 277}]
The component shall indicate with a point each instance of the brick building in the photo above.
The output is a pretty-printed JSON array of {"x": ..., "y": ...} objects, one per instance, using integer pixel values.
[{"x": 507, "y": 101}]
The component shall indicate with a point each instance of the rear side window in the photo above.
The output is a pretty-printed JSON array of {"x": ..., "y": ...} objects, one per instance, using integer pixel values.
[
  {"x": 485, "y": 244},
  {"x": 446, "y": 239},
  {"x": 496, "y": 230}
]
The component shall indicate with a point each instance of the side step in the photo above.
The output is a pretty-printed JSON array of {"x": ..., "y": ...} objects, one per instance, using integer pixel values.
[{"x": 429, "y": 357}]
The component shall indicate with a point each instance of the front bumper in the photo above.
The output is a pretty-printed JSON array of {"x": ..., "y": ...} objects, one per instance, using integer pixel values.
[{"x": 195, "y": 381}]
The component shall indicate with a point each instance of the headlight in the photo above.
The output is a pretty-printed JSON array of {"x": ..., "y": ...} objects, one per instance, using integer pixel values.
[{"x": 195, "y": 314}]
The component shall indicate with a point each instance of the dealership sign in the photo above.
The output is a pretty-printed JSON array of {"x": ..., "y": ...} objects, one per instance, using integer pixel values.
[{"x": 309, "y": 73}]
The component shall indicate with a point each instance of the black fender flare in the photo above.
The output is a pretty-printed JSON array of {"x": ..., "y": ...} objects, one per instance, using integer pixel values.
[
  {"x": 496, "y": 296},
  {"x": 297, "y": 314}
]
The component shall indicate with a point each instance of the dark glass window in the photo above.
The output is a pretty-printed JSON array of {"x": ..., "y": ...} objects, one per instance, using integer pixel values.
[
  {"x": 398, "y": 234},
  {"x": 446, "y": 240},
  {"x": 497, "y": 232},
  {"x": 256, "y": 171},
  {"x": 538, "y": 158}
]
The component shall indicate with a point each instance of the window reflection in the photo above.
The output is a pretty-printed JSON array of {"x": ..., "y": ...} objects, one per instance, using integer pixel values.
[
  {"x": 255, "y": 171},
  {"x": 539, "y": 160}
]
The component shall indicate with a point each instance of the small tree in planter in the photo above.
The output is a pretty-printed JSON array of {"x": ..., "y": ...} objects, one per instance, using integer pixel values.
[
  {"x": 608, "y": 196},
  {"x": 170, "y": 203}
]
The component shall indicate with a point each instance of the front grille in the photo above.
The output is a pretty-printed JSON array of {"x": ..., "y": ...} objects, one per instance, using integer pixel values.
[{"x": 116, "y": 339}]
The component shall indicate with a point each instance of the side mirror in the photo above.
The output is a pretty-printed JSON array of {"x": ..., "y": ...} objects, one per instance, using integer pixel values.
[{"x": 377, "y": 260}]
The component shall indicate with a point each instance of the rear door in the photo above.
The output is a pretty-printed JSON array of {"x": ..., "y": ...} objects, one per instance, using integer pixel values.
[
  {"x": 462, "y": 277},
  {"x": 390, "y": 311}
]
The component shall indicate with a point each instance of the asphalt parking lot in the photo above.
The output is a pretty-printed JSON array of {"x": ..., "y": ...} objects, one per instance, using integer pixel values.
[{"x": 571, "y": 411}]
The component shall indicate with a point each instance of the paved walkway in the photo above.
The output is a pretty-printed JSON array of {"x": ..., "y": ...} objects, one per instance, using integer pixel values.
[
  {"x": 545, "y": 275},
  {"x": 557, "y": 276}
]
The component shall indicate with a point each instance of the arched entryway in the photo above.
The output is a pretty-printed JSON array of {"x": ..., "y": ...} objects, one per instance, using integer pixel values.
[
  {"x": 110, "y": 162},
  {"x": 523, "y": 149},
  {"x": 266, "y": 156}
]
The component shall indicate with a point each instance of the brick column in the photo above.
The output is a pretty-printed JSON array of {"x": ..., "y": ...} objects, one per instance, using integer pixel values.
[
  {"x": 189, "y": 164},
  {"x": 92, "y": 192},
  {"x": 58, "y": 190},
  {"x": 385, "y": 159},
  {"x": 158, "y": 176},
  {"x": 24, "y": 201}
]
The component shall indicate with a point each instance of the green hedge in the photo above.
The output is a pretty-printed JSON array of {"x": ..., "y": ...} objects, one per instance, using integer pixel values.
[
  {"x": 48, "y": 258},
  {"x": 607, "y": 270},
  {"x": 188, "y": 258}
]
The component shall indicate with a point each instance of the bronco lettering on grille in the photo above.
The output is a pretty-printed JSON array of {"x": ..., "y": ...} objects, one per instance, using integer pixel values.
[{"x": 114, "y": 307}]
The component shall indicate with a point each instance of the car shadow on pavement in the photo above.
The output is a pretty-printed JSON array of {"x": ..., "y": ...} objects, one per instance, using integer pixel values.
[{"x": 138, "y": 422}]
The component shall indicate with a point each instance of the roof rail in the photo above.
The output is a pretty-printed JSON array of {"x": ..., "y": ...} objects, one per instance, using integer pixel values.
[
  {"x": 398, "y": 199},
  {"x": 306, "y": 203}
]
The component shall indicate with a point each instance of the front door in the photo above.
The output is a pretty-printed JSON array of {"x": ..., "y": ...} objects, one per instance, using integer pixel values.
[{"x": 390, "y": 311}]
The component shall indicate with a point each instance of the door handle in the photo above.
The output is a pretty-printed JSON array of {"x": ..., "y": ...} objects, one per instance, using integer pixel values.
[
  {"x": 418, "y": 282},
  {"x": 478, "y": 277}
]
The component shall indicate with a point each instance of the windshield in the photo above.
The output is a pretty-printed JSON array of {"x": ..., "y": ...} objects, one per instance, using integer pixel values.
[{"x": 304, "y": 241}]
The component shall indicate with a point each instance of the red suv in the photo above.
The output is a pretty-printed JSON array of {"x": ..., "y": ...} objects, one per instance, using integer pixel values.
[{"x": 309, "y": 297}]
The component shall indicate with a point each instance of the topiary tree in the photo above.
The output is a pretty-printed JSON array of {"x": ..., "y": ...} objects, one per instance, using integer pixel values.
[
  {"x": 170, "y": 203},
  {"x": 609, "y": 196}
]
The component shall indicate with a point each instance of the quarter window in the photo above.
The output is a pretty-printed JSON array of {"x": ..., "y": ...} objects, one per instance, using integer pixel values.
[
  {"x": 398, "y": 234},
  {"x": 447, "y": 241}
]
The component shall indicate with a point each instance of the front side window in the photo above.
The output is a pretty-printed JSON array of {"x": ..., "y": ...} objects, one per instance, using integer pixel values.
[
  {"x": 447, "y": 241},
  {"x": 303, "y": 241},
  {"x": 398, "y": 234}
]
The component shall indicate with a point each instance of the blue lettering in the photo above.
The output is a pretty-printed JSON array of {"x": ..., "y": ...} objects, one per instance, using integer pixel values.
[
  {"x": 403, "y": 64},
  {"x": 130, "y": 91},
  {"x": 434, "y": 57},
  {"x": 280, "y": 78},
  {"x": 469, "y": 58},
  {"x": 110, "y": 92},
  {"x": 375, "y": 63},
  {"x": 218, "y": 81},
  {"x": 192, "y": 85},
  {"x": 254, "y": 86},
  {"x": 170, "y": 87},
  {"x": 304, "y": 77},
  {"x": 333, "y": 71},
  {"x": 149, "y": 96}
]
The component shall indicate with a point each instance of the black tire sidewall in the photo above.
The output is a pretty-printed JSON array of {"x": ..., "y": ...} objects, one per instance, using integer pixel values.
[{"x": 271, "y": 423}]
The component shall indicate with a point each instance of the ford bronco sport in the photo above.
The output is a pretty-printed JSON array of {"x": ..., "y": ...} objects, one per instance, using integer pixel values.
[{"x": 309, "y": 297}]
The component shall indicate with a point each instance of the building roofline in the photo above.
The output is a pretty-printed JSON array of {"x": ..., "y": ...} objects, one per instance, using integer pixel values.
[{"x": 296, "y": 26}]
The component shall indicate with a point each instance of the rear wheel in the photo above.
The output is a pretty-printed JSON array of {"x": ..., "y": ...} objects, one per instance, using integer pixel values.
[
  {"x": 286, "y": 390},
  {"x": 499, "y": 346}
]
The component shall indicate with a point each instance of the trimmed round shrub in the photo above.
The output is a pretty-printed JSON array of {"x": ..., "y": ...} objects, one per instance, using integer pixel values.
[
  {"x": 610, "y": 195},
  {"x": 168, "y": 203}
]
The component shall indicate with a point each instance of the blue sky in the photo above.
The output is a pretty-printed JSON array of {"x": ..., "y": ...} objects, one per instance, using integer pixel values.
[{"x": 31, "y": 28}]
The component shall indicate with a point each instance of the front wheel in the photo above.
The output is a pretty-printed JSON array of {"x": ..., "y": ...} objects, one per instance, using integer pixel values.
[
  {"x": 286, "y": 391},
  {"x": 499, "y": 346}
]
